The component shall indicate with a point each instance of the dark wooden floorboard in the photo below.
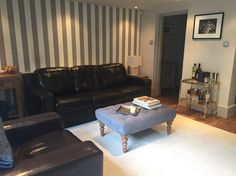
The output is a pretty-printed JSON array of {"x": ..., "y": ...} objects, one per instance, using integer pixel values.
[{"x": 228, "y": 124}]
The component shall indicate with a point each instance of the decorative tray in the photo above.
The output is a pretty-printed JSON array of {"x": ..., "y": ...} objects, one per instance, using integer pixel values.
[{"x": 129, "y": 110}]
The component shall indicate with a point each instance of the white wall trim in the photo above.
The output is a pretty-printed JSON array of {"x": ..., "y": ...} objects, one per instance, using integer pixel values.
[
  {"x": 226, "y": 112},
  {"x": 158, "y": 49},
  {"x": 222, "y": 111}
]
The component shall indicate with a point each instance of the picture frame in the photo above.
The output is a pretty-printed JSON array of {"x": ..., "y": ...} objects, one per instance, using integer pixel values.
[
  {"x": 208, "y": 26},
  {"x": 168, "y": 29}
]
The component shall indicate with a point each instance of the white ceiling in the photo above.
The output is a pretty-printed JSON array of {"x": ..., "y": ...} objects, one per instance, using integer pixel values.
[{"x": 142, "y": 4}]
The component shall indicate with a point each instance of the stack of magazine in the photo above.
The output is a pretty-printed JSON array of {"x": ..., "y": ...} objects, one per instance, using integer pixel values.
[{"x": 147, "y": 102}]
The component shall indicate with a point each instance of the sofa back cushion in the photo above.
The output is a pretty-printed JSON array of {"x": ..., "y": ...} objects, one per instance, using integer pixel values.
[
  {"x": 55, "y": 79},
  {"x": 113, "y": 75},
  {"x": 86, "y": 77}
]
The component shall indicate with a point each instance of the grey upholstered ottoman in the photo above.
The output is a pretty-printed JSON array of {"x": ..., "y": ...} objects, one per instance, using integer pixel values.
[{"x": 129, "y": 124}]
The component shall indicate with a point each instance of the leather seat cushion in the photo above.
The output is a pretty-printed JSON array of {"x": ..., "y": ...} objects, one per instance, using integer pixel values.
[
  {"x": 105, "y": 97},
  {"x": 132, "y": 90},
  {"x": 55, "y": 79},
  {"x": 43, "y": 144},
  {"x": 73, "y": 102},
  {"x": 128, "y": 92}
]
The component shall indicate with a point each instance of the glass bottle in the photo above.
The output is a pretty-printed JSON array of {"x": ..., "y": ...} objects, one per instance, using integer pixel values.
[
  {"x": 198, "y": 72},
  {"x": 194, "y": 69}
]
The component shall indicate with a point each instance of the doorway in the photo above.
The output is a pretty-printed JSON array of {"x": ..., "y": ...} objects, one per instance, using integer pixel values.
[{"x": 172, "y": 52}]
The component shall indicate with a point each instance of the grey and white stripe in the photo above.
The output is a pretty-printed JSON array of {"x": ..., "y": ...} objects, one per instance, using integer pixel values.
[
  {"x": 120, "y": 35},
  {"x": 104, "y": 33},
  {"x": 77, "y": 34},
  {"x": 3, "y": 60},
  {"x": 85, "y": 33},
  {"x": 100, "y": 36},
  {"x": 138, "y": 28},
  {"x": 12, "y": 33},
  {"x": 30, "y": 35},
  {"x": 45, "y": 33},
  {"x": 81, "y": 24},
  {"x": 107, "y": 34},
  {"x": 111, "y": 34},
  {"x": 60, "y": 34},
  {"x": 6, "y": 44},
  {"x": 117, "y": 35},
  {"x": 73, "y": 37},
  {"x": 48, "y": 33},
  {"x": 24, "y": 35},
  {"x": 93, "y": 34},
  {"x": 40, "y": 33},
  {"x": 89, "y": 35},
  {"x": 97, "y": 33},
  {"x": 64, "y": 33},
  {"x": 54, "y": 30}
]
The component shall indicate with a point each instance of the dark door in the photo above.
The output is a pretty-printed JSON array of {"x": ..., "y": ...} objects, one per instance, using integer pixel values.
[{"x": 172, "y": 53}]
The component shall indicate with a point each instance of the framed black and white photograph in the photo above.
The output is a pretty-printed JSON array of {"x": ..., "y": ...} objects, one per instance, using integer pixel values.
[{"x": 208, "y": 26}]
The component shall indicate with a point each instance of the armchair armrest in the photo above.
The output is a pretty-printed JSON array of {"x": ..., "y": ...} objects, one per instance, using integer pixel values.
[
  {"x": 141, "y": 81},
  {"x": 22, "y": 129},
  {"x": 82, "y": 158},
  {"x": 40, "y": 100}
]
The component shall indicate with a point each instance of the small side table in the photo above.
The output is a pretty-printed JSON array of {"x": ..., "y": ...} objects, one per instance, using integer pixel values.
[
  {"x": 14, "y": 81},
  {"x": 209, "y": 92}
]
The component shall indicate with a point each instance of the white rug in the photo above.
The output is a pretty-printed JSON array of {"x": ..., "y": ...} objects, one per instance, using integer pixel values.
[{"x": 193, "y": 149}]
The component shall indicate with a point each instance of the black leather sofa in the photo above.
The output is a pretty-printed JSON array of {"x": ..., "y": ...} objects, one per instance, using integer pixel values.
[
  {"x": 76, "y": 92},
  {"x": 42, "y": 147}
]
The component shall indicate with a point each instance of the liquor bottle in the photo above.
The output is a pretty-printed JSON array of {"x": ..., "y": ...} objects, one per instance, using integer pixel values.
[
  {"x": 198, "y": 72},
  {"x": 194, "y": 69}
]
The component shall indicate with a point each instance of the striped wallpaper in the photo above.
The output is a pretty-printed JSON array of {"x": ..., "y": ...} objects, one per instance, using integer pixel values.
[{"x": 46, "y": 33}]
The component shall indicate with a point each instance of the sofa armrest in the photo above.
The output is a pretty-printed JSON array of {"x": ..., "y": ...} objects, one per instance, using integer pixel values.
[
  {"x": 26, "y": 128},
  {"x": 40, "y": 100},
  {"x": 82, "y": 158},
  {"x": 145, "y": 82}
]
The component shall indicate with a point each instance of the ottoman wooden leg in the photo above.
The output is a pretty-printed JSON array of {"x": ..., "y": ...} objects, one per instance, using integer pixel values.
[
  {"x": 124, "y": 139},
  {"x": 102, "y": 128},
  {"x": 169, "y": 123}
]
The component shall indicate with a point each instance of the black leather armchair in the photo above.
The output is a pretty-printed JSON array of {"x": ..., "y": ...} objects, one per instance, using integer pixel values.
[
  {"x": 41, "y": 146},
  {"x": 75, "y": 93}
]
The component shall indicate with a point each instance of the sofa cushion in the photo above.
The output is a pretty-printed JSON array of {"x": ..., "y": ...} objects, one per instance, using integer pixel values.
[
  {"x": 43, "y": 144},
  {"x": 73, "y": 102},
  {"x": 55, "y": 79},
  {"x": 105, "y": 97},
  {"x": 113, "y": 75},
  {"x": 128, "y": 92},
  {"x": 86, "y": 77},
  {"x": 6, "y": 158},
  {"x": 132, "y": 90}
]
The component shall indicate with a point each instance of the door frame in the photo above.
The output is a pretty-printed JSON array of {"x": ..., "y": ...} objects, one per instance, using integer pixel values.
[{"x": 158, "y": 48}]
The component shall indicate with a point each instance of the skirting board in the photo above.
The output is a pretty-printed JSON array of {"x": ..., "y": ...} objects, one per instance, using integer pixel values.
[
  {"x": 154, "y": 92},
  {"x": 225, "y": 112}
]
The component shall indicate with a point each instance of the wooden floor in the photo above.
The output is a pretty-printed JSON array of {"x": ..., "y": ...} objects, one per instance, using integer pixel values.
[{"x": 228, "y": 124}]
